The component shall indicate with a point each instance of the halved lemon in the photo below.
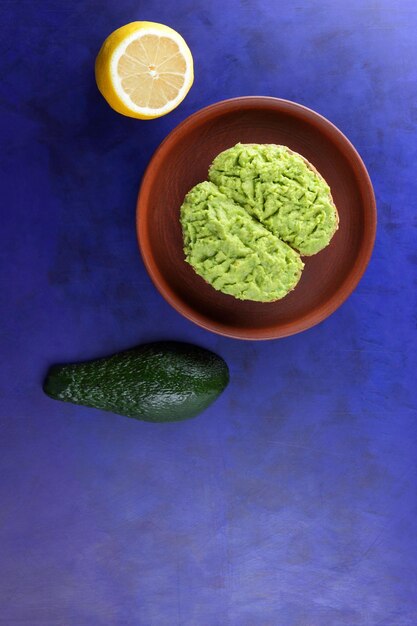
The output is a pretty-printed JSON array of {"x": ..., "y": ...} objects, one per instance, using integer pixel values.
[{"x": 144, "y": 70}]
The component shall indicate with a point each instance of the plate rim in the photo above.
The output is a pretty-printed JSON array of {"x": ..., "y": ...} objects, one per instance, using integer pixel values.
[{"x": 315, "y": 315}]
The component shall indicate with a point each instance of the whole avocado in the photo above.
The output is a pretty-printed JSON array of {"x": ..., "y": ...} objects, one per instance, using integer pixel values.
[{"x": 156, "y": 382}]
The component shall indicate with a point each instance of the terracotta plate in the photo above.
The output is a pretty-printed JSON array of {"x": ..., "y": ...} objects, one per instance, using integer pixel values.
[{"x": 183, "y": 159}]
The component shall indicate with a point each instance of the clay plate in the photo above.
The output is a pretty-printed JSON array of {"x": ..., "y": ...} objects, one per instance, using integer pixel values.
[{"x": 183, "y": 159}]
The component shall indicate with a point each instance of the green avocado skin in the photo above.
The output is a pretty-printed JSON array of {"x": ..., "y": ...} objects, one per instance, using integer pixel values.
[{"x": 155, "y": 382}]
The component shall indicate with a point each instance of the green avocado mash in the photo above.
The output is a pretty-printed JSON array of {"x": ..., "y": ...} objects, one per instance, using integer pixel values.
[
  {"x": 282, "y": 190},
  {"x": 244, "y": 231},
  {"x": 232, "y": 251}
]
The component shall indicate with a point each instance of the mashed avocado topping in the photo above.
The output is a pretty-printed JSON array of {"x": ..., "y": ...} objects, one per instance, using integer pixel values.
[
  {"x": 232, "y": 251},
  {"x": 243, "y": 231},
  {"x": 281, "y": 189}
]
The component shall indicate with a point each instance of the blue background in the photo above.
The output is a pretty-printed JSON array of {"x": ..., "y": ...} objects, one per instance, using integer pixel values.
[{"x": 293, "y": 500}]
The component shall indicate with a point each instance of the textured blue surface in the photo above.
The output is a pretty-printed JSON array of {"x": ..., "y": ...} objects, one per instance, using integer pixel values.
[{"x": 293, "y": 500}]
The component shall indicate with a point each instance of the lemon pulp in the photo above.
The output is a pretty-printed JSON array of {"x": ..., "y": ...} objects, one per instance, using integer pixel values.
[{"x": 144, "y": 69}]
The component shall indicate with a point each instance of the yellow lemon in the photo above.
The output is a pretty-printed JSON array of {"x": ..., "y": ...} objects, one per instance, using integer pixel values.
[{"x": 144, "y": 70}]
